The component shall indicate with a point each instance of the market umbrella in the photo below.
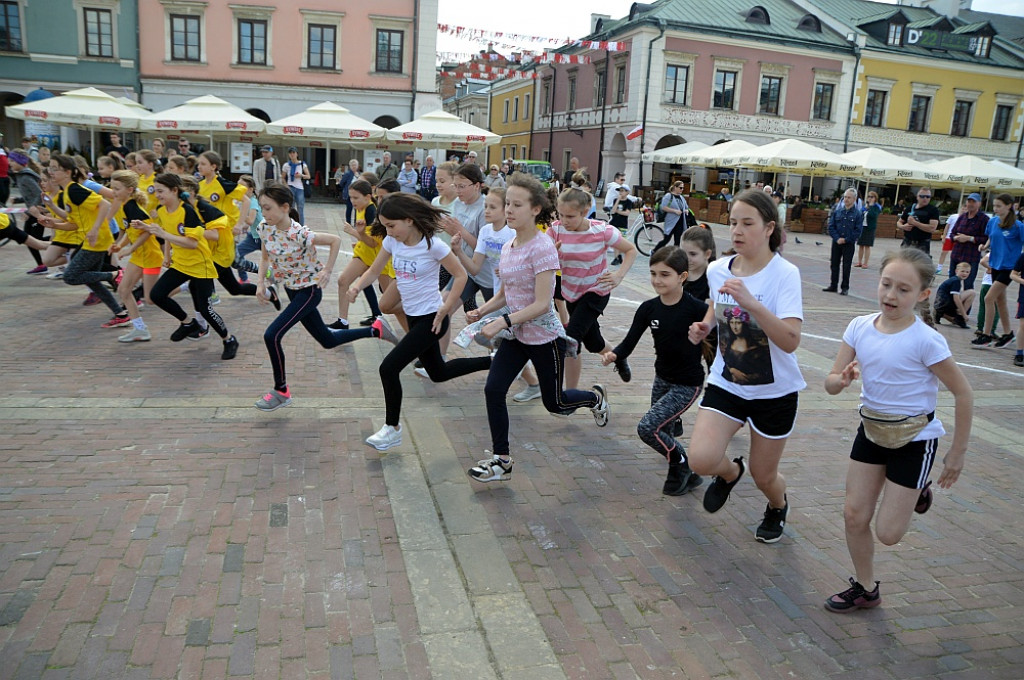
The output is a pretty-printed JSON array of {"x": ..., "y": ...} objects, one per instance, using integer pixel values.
[
  {"x": 711, "y": 155},
  {"x": 674, "y": 155},
  {"x": 207, "y": 114},
  {"x": 883, "y": 166},
  {"x": 85, "y": 108},
  {"x": 327, "y": 122},
  {"x": 792, "y": 155},
  {"x": 440, "y": 129},
  {"x": 971, "y": 171}
]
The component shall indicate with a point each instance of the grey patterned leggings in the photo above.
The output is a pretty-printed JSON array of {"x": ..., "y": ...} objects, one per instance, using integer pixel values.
[{"x": 668, "y": 402}]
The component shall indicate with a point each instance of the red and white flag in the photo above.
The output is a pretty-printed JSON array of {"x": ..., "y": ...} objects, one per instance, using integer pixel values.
[{"x": 635, "y": 132}]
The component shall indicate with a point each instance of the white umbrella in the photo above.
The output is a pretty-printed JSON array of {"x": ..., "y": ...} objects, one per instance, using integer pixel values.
[
  {"x": 441, "y": 129},
  {"x": 881, "y": 165},
  {"x": 673, "y": 154},
  {"x": 207, "y": 114},
  {"x": 712, "y": 155},
  {"x": 789, "y": 155},
  {"x": 83, "y": 108},
  {"x": 328, "y": 122},
  {"x": 971, "y": 171}
]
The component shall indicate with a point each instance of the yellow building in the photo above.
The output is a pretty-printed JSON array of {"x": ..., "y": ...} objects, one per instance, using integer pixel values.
[
  {"x": 512, "y": 114},
  {"x": 932, "y": 85}
]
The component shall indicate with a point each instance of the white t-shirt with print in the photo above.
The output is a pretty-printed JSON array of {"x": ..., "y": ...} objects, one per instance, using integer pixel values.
[
  {"x": 747, "y": 363},
  {"x": 416, "y": 271},
  {"x": 894, "y": 372},
  {"x": 489, "y": 242}
]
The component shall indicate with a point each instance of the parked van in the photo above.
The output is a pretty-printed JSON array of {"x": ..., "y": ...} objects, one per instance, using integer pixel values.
[{"x": 539, "y": 169}]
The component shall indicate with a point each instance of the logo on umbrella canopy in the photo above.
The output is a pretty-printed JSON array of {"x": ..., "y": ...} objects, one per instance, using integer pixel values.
[
  {"x": 848, "y": 168},
  {"x": 475, "y": 138},
  {"x": 815, "y": 165},
  {"x": 412, "y": 135},
  {"x": 358, "y": 134},
  {"x": 166, "y": 124},
  {"x": 32, "y": 113},
  {"x": 293, "y": 129},
  {"x": 110, "y": 120},
  {"x": 235, "y": 125}
]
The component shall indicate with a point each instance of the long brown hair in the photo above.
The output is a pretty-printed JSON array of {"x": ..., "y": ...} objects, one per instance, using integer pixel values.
[
  {"x": 401, "y": 206},
  {"x": 1007, "y": 200}
]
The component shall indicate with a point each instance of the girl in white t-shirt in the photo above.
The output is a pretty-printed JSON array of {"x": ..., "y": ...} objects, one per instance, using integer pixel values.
[
  {"x": 493, "y": 235},
  {"x": 289, "y": 253},
  {"x": 409, "y": 226},
  {"x": 527, "y": 267},
  {"x": 900, "y": 361},
  {"x": 757, "y": 305}
]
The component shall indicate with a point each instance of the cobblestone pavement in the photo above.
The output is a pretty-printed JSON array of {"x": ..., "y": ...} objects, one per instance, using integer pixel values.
[{"x": 153, "y": 524}]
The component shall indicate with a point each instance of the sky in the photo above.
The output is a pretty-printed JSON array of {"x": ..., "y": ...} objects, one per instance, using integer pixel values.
[{"x": 572, "y": 19}]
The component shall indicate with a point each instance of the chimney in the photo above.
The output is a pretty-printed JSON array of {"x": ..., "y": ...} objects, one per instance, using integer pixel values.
[
  {"x": 946, "y": 8},
  {"x": 594, "y": 18}
]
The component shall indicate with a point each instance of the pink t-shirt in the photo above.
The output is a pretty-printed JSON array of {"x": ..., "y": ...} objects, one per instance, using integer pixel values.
[
  {"x": 519, "y": 267},
  {"x": 582, "y": 256}
]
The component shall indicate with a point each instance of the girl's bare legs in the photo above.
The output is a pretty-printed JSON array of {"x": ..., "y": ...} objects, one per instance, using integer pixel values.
[
  {"x": 352, "y": 271},
  {"x": 996, "y": 297},
  {"x": 390, "y": 302},
  {"x": 709, "y": 442},
  {"x": 386, "y": 282},
  {"x": 132, "y": 275},
  {"x": 864, "y": 484},
  {"x": 867, "y": 256},
  {"x": 765, "y": 455},
  {"x": 53, "y": 256}
]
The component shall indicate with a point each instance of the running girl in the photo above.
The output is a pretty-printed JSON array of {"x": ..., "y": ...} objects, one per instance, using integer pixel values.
[
  {"x": 761, "y": 291},
  {"x": 1005, "y": 240},
  {"x": 528, "y": 265},
  {"x": 678, "y": 374},
  {"x": 493, "y": 235},
  {"x": 289, "y": 250},
  {"x": 146, "y": 256},
  {"x": 409, "y": 226},
  {"x": 364, "y": 252},
  {"x": 188, "y": 258},
  {"x": 586, "y": 280},
  {"x": 466, "y": 220},
  {"x": 900, "y": 361}
]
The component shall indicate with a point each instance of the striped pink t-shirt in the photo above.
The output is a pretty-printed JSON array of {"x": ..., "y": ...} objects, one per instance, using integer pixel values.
[{"x": 582, "y": 256}]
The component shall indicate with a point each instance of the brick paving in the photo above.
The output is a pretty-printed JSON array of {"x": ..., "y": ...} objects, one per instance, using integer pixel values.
[{"x": 154, "y": 525}]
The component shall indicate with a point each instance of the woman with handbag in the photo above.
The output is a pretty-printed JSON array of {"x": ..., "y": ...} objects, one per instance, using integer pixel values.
[
  {"x": 674, "y": 206},
  {"x": 900, "y": 361}
]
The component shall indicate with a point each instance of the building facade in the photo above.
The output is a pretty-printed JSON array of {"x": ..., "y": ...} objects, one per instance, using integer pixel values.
[
  {"x": 63, "y": 45},
  {"x": 276, "y": 58},
  {"x": 512, "y": 118}
]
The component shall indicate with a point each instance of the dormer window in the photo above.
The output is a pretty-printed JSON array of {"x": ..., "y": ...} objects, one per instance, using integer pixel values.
[
  {"x": 983, "y": 47},
  {"x": 758, "y": 15},
  {"x": 895, "y": 35},
  {"x": 809, "y": 23}
]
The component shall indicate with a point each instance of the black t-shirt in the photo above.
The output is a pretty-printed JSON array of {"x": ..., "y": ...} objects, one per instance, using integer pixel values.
[
  {"x": 926, "y": 215},
  {"x": 677, "y": 360},
  {"x": 621, "y": 221},
  {"x": 122, "y": 150},
  {"x": 944, "y": 293},
  {"x": 698, "y": 287}
]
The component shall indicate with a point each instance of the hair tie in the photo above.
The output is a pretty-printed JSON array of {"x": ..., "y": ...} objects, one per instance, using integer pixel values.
[{"x": 184, "y": 194}]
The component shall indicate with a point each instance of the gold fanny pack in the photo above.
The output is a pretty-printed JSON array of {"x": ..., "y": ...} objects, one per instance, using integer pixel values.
[{"x": 892, "y": 430}]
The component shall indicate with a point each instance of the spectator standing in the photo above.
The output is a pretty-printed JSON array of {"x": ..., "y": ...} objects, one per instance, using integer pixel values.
[
  {"x": 387, "y": 170},
  {"x": 296, "y": 174},
  {"x": 266, "y": 169},
  {"x": 675, "y": 208},
  {"x": 574, "y": 167},
  {"x": 494, "y": 179},
  {"x": 844, "y": 226},
  {"x": 185, "y": 148},
  {"x": 611, "y": 193},
  {"x": 116, "y": 146},
  {"x": 5, "y": 176},
  {"x": 968, "y": 235},
  {"x": 428, "y": 179},
  {"x": 407, "y": 177},
  {"x": 867, "y": 234},
  {"x": 350, "y": 175},
  {"x": 919, "y": 222}
]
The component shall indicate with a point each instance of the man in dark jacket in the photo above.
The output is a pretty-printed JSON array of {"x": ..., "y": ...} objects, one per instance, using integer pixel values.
[{"x": 844, "y": 226}]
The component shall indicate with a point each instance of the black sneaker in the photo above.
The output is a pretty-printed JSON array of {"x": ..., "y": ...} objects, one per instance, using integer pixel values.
[
  {"x": 982, "y": 341},
  {"x": 853, "y": 598},
  {"x": 338, "y": 325},
  {"x": 230, "y": 348},
  {"x": 718, "y": 493},
  {"x": 677, "y": 428},
  {"x": 183, "y": 331},
  {"x": 771, "y": 526},
  {"x": 924, "y": 500},
  {"x": 959, "y": 321},
  {"x": 623, "y": 369},
  {"x": 1003, "y": 340},
  {"x": 680, "y": 480},
  {"x": 830, "y": 289},
  {"x": 368, "y": 321},
  {"x": 1018, "y": 360},
  {"x": 199, "y": 333},
  {"x": 418, "y": 364}
]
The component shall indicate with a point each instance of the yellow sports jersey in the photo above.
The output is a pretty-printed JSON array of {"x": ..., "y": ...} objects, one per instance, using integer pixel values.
[
  {"x": 223, "y": 248},
  {"x": 363, "y": 251},
  {"x": 222, "y": 194},
  {"x": 83, "y": 206},
  {"x": 148, "y": 255},
  {"x": 195, "y": 262},
  {"x": 5, "y": 220},
  {"x": 146, "y": 187}
]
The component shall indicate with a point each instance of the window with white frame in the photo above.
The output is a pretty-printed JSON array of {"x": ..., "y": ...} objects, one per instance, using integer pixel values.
[
  {"x": 600, "y": 87},
  {"x": 320, "y": 35},
  {"x": 677, "y": 77},
  {"x": 389, "y": 43},
  {"x": 546, "y": 96},
  {"x": 572, "y": 93},
  {"x": 504, "y": 118},
  {"x": 895, "y": 35},
  {"x": 252, "y": 42},
  {"x": 97, "y": 27},
  {"x": 725, "y": 89},
  {"x": 771, "y": 94},
  {"x": 526, "y": 106},
  {"x": 185, "y": 31},
  {"x": 983, "y": 46}
]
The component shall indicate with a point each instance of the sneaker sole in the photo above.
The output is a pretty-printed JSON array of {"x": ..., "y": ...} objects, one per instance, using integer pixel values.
[
  {"x": 762, "y": 539},
  {"x": 694, "y": 482},
  {"x": 131, "y": 340},
  {"x": 503, "y": 478},
  {"x": 268, "y": 410},
  {"x": 383, "y": 447},
  {"x": 529, "y": 398},
  {"x": 852, "y": 608}
]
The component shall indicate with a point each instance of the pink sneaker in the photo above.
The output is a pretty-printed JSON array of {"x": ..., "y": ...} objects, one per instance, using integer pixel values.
[
  {"x": 41, "y": 269},
  {"x": 91, "y": 299}
]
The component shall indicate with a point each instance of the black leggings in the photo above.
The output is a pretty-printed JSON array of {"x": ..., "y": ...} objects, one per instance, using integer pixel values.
[
  {"x": 302, "y": 308},
  {"x": 199, "y": 289},
  {"x": 421, "y": 342},
  {"x": 583, "y": 325},
  {"x": 548, "y": 360},
  {"x": 675, "y": 235},
  {"x": 32, "y": 228},
  {"x": 227, "y": 279}
]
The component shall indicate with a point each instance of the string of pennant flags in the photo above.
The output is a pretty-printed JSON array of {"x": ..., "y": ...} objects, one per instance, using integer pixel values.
[
  {"x": 513, "y": 40},
  {"x": 508, "y": 74}
]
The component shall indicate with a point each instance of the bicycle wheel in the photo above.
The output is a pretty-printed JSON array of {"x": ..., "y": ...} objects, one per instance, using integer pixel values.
[{"x": 646, "y": 237}]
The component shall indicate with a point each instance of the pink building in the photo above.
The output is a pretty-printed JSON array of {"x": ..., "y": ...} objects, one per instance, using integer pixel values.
[
  {"x": 277, "y": 57},
  {"x": 694, "y": 70}
]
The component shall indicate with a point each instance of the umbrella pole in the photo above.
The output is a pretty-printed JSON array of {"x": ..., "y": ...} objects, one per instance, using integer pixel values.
[
  {"x": 327, "y": 174},
  {"x": 92, "y": 146}
]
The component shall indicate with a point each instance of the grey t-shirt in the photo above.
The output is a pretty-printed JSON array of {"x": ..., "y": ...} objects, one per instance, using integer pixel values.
[{"x": 472, "y": 218}]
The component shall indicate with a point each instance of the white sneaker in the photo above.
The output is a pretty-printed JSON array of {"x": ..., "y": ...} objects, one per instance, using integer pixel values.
[
  {"x": 492, "y": 469},
  {"x": 57, "y": 273},
  {"x": 136, "y": 335},
  {"x": 385, "y": 438},
  {"x": 531, "y": 392},
  {"x": 422, "y": 372},
  {"x": 601, "y": 410}
]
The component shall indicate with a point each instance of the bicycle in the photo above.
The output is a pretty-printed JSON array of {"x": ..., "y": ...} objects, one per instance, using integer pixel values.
[{"x": 644, "y": 233}]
